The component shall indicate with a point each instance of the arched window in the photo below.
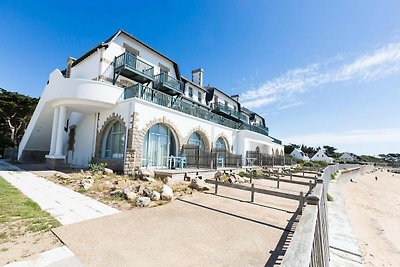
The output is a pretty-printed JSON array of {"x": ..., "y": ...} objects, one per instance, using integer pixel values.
[
  {"x": 158, "y": 144},
  {"x": 195, "y": 139},
  {"x": 257, "y": 149},
  {"x": 220, "y": 143},
  {"x": 114, "y": 141}
]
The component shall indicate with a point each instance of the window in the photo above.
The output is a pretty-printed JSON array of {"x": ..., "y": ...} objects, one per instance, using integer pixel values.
[
  {"x": 115, "y": 141},
  {"x": 131, "y": 50},
  {"x": 195, "y": 139},
  {"x": 190, "y": 92},
  {"x": 226, "y": 103},
  {"x": 220, "y": 143},
  {"x": 199, "y": 96}
]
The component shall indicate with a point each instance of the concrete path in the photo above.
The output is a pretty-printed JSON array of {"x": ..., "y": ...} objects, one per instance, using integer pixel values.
[
  {"x": 64, "y": 204},
  {"x": 344, "y": 248},
  {"x": 59, "y": 257}
]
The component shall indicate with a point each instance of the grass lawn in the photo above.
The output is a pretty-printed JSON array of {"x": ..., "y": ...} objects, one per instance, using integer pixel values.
[{"x": 20, "y": 215}]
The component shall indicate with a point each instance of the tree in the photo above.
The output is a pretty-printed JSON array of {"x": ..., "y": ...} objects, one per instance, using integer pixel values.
[
  {"x": 289, "y": 148},
  {"x": 330, "y": 151},
  {"x": 15, "y": 113}
]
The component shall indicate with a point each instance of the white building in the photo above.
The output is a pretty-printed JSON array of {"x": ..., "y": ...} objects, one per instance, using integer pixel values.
[
  {"x": 321, "y": 156},
  {"x": 300, "y": 155},
  {"x": 347, "y": 156},
  {"x": 126, "y": 104}
]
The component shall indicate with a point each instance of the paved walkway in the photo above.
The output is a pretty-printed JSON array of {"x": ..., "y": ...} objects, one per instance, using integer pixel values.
[
  {"x": 64, "y": 204},
  {"x": 344, "y": 248}
]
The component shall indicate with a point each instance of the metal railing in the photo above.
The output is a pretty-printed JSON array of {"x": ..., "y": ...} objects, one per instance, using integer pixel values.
[
  {"x": 229, "y": 111},
  {"x": 169, "y": 81},
  {"x": 129, "y": 61},
  {"x": 166, "y": 100}
]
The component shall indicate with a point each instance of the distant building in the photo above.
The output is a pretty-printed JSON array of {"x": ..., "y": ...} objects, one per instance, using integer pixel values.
[
  {"x": 300, "y": 155},
  {"x": 347, "y": 156},
  {"x": 321, "y": 156}
]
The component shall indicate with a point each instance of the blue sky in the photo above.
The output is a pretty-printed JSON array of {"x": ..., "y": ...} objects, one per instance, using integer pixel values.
[{"x": 322, "y": 73}]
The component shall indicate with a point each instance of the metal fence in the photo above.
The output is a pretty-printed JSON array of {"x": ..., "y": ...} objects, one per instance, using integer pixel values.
[
  {"x": 255, "y": 158},
  {"x": 200, "y": 158}
]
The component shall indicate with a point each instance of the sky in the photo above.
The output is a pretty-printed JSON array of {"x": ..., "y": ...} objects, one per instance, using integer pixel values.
[{"x": 320, "y": 72}]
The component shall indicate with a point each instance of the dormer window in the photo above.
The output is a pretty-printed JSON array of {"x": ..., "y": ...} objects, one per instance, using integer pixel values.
[
  {"x": 199, "y": 96},
  {"x": 163, "y": 69}
]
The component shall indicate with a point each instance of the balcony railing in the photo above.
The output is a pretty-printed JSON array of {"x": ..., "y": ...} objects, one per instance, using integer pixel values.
[
  {"x": 222, "y": 108},
  {"x": 168, "y": 83},
  {"x": 132, "y": 67},
  {"x": 166, "y": 100}
]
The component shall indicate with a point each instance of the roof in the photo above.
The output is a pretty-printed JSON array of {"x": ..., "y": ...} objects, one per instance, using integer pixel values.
[
  {"x": 189, "y": 81},
  {"x": 111, "y": 38}
]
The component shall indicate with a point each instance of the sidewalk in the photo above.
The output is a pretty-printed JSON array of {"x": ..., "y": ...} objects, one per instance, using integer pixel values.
[
  {"x": 64, "y": 204},
  {"x": 343, "y": 244}
]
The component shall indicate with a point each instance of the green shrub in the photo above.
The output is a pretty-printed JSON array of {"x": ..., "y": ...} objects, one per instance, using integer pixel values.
[
  {"x": 333, "y": 176},
  {"x": 97, "y": 167},
  {"x": 329, "y": 197}
]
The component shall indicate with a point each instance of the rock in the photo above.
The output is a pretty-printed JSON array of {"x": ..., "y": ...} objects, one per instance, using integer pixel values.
[
  {"x": 167, "y": 180},
  {"x": 142, "y": 201},
  {"x": 107, "y": 185},
  {"x": 88, "y": 177},
  {"x": 129, "y": 189},
  {"x": 139, "y": 189},
  {"x": 147, "y": 192},
  {"x": 167, "y": 193},
  {"x": 147, "y": 173},
  {"x": 108, "y": 171},
  {"x": 118, "y": 193},
  {"x": 130, "y": 195},
  {"x": 87, "y": 183},
  {"x": 198, "y": 184},
  {"x": 155, "y": 196},
  {"x": 218, "y": 175},
  {"x": 240, "y": 179},
  {"x": 246, "y": 179}
]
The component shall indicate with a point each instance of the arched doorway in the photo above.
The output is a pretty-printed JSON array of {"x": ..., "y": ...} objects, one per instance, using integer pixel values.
[
  {"x": 113, "y": 146},
  {"x": 158, "y": 144}
]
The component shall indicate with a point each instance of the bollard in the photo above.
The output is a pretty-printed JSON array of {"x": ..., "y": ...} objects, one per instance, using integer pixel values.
[
  {"x": 252, "y": 193},
  {"x": 216, "y": 186}
]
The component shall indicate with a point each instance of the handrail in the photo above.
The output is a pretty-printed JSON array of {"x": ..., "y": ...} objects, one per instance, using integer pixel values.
[
  {"x": 164, "y": 78},
  {"x": 128, "y": 60},
  {"x": 166, "y": 100}
]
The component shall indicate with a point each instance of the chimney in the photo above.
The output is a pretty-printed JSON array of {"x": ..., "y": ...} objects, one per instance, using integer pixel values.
[
  {"x": 197, "y": 76},
  {"x": 70, "y": 60},
  {"x": 236, "y": 97}
]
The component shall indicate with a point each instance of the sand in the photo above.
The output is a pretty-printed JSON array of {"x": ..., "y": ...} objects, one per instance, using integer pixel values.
[{"x": 373, "y": 208}]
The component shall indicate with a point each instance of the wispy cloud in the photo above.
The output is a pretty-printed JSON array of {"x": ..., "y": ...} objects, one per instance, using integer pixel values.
[{"x": 379, "y": 63}]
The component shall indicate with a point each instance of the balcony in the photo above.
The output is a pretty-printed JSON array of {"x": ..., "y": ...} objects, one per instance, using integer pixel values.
[
  {"x": 225, "y": 110},
  {"x": 168, "y": 84},
  {"x": 166, "y": 100},
  {"x": 132, "y": 68}
]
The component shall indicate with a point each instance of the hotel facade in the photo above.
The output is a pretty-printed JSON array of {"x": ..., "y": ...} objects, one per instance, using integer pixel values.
[{"x": 128, "y": 105}]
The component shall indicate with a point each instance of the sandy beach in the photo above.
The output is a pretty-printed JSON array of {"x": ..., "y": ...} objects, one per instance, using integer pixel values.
[{"x": 373, "y": 207}]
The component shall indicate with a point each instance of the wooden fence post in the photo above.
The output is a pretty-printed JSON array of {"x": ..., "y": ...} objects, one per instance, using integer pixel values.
[
  {"x": 252, "y": 192},
  {"x": 290, "y": 175},
  {"x": 301, "y": 203},
  {"x": 311, "y": 186},
  {"x": 277, "y": 182},
  {"x": 216, "y": 186}
]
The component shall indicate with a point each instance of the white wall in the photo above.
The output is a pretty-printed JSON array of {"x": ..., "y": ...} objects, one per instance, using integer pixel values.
[{"x": 88, "y": 68}]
